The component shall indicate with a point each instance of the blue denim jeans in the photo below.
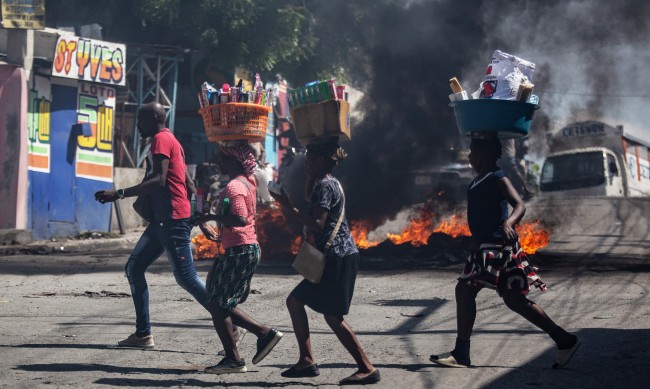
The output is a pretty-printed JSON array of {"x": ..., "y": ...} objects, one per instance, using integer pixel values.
[{"x": 173, "y": 238}]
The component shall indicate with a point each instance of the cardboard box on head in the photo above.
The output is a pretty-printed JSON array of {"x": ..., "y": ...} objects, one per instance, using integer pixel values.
[{"x": 322, "y": 120}]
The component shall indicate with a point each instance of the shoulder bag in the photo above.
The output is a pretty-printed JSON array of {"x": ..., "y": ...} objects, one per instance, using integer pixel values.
[{"x": 310, "y": 261}]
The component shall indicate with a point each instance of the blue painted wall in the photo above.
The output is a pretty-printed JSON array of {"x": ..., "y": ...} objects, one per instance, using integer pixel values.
[{"x": 61, "y": 204}]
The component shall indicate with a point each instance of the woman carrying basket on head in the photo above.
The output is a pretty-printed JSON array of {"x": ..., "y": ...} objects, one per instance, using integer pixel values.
[
  {"x": 228, "y": 282},
  {"x": 333, "y": 294}
]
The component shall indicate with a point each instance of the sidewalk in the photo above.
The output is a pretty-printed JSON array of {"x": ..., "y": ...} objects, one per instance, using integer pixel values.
[{"x": 93, "y": 242}]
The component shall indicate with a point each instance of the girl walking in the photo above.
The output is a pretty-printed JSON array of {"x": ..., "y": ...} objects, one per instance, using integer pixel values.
[
  {"x": 332, "y": 296},
  {"x": 497, "y": 261},
  {"x": 229, "y": 280}
]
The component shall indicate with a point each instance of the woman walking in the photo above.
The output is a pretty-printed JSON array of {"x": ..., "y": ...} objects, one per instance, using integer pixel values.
[
  {"x": 332, "y": 296},
  {"x": 497, "y": 261},
  {"x": 229, "y": 280}
]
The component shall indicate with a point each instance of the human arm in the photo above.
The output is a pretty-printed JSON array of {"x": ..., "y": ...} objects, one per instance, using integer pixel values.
[
  {"x": 314, "y": 224},
  {"x": 156, "y": 180},
  {"x": 518, "y": 208},
  {"x": 189, "y": 184}
]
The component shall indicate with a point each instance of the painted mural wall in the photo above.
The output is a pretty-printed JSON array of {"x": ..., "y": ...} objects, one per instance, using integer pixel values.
[{"x": 70, "y": 154}]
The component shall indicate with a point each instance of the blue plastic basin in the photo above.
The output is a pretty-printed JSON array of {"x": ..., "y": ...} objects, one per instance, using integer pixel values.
[{"x": 507, "y": 118}]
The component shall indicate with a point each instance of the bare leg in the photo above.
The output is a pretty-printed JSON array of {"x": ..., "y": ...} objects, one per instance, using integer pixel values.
[
  {"x": 536, "y": 315},
  {"x": 241, "y": 319},
  {"x": 301, "y": 329},
  {"x": 465, "y": 309},
  {"x": 349, "y": 340},
  {"x": 223, "y": 325}
]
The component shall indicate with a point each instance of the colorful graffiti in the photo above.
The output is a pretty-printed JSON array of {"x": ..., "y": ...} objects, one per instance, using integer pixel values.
[
  {"x": 38, "y": 127},
  {"x": 90, "y": 60},
  {"x": 96, "y": 108}
]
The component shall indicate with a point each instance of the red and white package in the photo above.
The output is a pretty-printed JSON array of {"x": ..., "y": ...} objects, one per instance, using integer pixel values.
[{"x": 504, "y": 75}]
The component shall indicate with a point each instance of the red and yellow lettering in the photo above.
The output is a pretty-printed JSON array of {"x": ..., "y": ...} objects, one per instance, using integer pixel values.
[{"x": 83, "y": 56}]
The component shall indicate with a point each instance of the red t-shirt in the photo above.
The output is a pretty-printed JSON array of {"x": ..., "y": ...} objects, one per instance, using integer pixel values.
[{"x": 170, "y": 201}]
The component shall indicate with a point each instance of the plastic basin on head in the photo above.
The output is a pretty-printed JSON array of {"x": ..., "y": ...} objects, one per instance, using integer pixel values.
[{"x": 506, "y": 118}]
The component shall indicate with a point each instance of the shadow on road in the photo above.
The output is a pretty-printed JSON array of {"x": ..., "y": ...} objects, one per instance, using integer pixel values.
[
  {"x": 144, "y": 383},
  {"x": 608, "y": 357}
]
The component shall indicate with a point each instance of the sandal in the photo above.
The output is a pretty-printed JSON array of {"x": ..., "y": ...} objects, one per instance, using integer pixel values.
[
  {"x": 564, "y": 356},
  {"x": 448, "y": 360}
]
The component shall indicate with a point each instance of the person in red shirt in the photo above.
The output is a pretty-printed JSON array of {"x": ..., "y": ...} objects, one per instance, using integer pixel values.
[
  {"x": 165, "y": 193},
  {"x": 230, "y": 277}
]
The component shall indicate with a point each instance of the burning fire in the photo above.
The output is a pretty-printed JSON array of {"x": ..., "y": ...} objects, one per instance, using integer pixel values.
[
  {"x": 205, "y": 248},
  {"x": 532, "y": 236},
  {"x": 417, "y": 232},
  {"x": 276, "y": 237},
  {"x": 359, "y": 231},
  {"x": 456, "y": 226}
]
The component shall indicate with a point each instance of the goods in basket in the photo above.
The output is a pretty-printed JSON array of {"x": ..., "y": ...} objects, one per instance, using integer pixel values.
[
  {"x": 316, "y": 92},
  {"x": 320, "y": 110},
  {"x": 504, "y": 104},
  {"x": 459, "y": 93},
  {"x": 525, "y": 91},
  {"x": 504, "y": 75},
  {"x": 232, "y": 114}
]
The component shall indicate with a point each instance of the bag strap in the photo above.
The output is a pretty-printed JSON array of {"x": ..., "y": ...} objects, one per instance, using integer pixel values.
[{"x": 338, "y": 223}]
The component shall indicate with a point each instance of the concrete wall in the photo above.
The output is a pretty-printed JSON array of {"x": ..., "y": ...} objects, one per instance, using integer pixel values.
[
  {"x": 13, "y": 147},
  {"x": 124, "y": 178}
]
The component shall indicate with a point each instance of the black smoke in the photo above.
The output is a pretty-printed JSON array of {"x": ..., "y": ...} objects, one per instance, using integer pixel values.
[{"x": 413, "y": 48}]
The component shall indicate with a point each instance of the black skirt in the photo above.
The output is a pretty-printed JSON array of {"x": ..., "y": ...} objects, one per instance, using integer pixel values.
[{"x": 332, "y": 296}]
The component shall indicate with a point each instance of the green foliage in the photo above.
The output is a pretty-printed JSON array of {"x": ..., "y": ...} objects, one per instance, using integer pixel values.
[{"x": 301, "y": 39}]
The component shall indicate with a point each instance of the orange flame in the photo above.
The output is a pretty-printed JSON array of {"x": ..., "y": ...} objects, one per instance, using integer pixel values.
[
  {"x": 359, "y": 231},
  {"x": 456, "y": 226},
  {"x": 532, "y": 236},
  {"x": 205, "y": 248},
  {"x": 417, "y": 232}
]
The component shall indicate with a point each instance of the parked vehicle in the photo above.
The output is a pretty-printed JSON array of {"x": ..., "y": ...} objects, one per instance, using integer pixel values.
[{"x": 595, "y": 159}]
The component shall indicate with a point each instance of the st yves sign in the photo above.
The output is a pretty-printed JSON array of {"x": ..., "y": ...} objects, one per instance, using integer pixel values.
[{"x": 90, "y": 60}]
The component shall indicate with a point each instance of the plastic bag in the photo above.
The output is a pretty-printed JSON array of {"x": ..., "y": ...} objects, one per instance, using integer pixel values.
[{"x": 504, "y": 75}]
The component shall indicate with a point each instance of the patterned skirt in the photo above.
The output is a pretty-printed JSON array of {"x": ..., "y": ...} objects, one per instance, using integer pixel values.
[
  {"x": 501, "y": 268},
  {"x": 231, "y": 275}
]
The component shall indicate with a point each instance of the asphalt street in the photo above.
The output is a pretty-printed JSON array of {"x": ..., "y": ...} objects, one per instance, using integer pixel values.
[{"x": 61, "y": 316}]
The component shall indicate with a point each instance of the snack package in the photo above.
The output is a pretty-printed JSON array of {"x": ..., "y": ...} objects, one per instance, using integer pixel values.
[{"x": 504, "y": 75}]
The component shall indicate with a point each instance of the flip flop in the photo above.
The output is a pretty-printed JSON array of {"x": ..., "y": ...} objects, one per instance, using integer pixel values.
[
  {"x": 447, "y": 360},
  {"x": 564, "y": 356}
]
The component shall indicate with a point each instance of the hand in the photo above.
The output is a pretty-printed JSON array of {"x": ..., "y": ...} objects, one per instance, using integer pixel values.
[
  {"x": 509, "y": 233},
  {"x": 282, "y": 198},
  {"x": 106, "y": 196},
  {"x": 209, "y": 232}
]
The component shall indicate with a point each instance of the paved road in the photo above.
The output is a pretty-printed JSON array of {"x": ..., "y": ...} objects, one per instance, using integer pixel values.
[{"x": 59, "y": 316}]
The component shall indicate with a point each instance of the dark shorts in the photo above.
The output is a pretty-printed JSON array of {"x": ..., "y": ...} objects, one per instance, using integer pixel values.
[
  {"x": 333, "y": 295},
  {"x": 501, "y": 268},
  {"x": 232, "y": 274}
]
